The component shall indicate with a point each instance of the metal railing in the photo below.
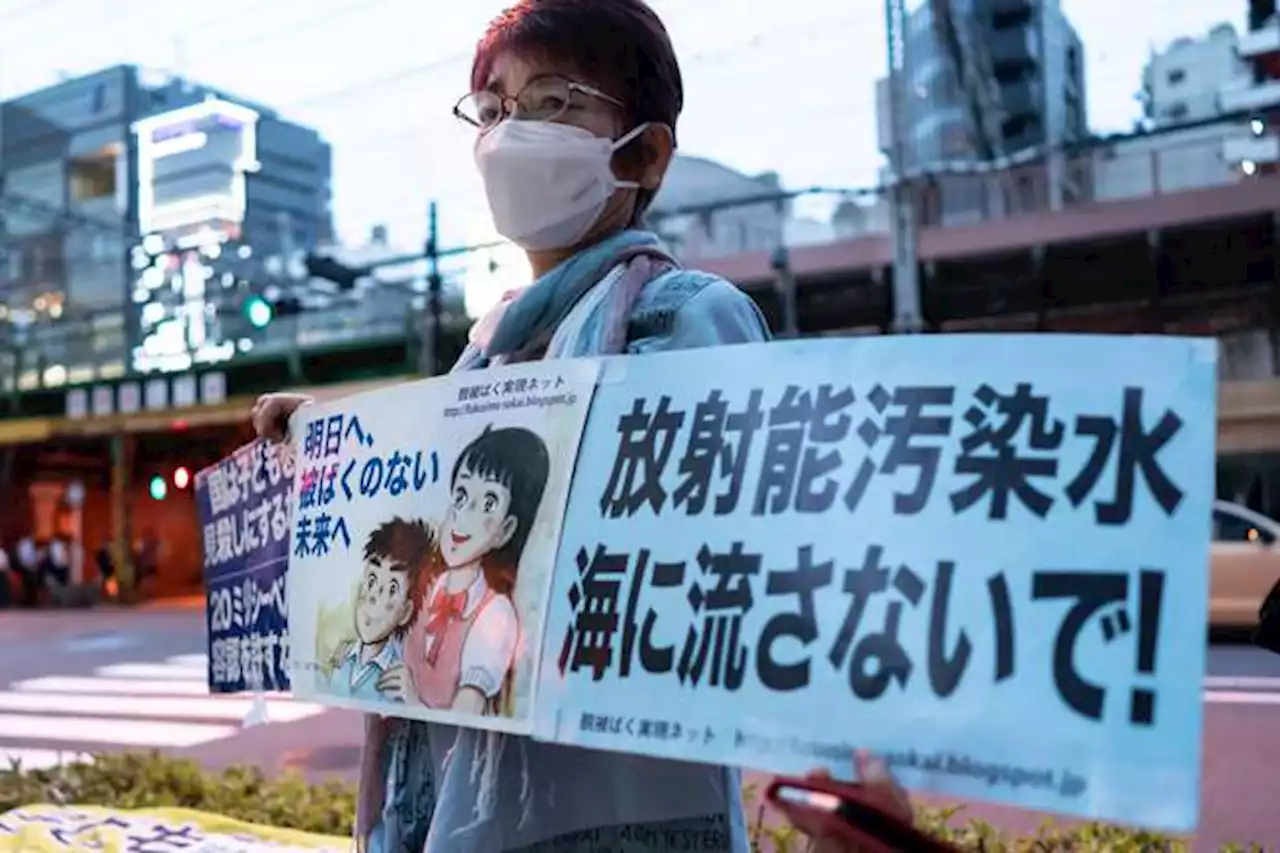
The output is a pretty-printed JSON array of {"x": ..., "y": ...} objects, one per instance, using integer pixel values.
[
  {"x": 956, "y": 194},
  {"x": 94, "y": 346}
]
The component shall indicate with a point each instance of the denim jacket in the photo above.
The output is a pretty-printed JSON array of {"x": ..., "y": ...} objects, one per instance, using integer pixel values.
[{"x": 684, "y": 309}]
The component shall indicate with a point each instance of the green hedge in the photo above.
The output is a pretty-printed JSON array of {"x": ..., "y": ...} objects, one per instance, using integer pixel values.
[{"x": 138, "y": 781}]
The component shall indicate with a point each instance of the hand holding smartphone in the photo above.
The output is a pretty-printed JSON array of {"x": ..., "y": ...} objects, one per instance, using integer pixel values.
[{"x": 848, "y": 817}]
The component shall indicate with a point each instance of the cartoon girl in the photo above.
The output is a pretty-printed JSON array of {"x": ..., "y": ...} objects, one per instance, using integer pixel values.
[{"x": 463, "y": 642}]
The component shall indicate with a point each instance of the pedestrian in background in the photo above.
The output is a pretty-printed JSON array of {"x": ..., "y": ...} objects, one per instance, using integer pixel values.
[
  {"x": 28, "y": 566},
  {"x": 57, "y": 564},
  {"x": 146, "y": 559},
  {"x": 56, "y": 575},
  {"x": 107, "y": 570},
  {"x": 6, "y": 578},
  {"x": 574, "y": 104}
]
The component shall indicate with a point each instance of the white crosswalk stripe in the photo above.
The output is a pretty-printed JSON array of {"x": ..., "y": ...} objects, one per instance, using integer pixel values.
[
  {"x": 1242, "y": 682},
  {"x": 57, "y": 719}
]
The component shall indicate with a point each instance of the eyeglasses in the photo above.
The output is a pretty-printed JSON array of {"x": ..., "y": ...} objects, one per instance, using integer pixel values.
[{"x": 542, "y": 99}]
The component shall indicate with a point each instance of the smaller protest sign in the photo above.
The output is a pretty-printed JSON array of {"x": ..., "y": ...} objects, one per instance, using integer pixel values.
[
  {"x": 44, "y": 828},
  {"x": 983, "y": 557},
  {"x": 427, "y": 518},
  {"x": 245, "y": 518}
]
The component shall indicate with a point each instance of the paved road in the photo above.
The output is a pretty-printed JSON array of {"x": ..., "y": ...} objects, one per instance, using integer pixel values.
[
  {"x": 105, "y": 680},
  {"x": 111, "y": 680}
]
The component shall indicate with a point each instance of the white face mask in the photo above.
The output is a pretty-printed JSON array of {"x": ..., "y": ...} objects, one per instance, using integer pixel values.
[{"x": 548, "y": 183}]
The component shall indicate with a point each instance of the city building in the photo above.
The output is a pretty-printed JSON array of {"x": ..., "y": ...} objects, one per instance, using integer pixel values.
[
  {"x": 705, "y": 209},
  {"x": 1028, "y": 98},
  {"x": 1179, "y": 146},
  {"x": 1206, "y": 102},
  {"x": 95, "y": 167},
  {"x": 1257, "y": 150},
  {"x": 1183, "y": 83},
  {"x": 848, "y": 220},
  {"x": 1148, "y": 163}
]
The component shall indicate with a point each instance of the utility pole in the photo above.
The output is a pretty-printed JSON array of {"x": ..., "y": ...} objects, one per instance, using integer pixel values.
[
  {"x": 902, "y": 200},
  {"x": 429, "y": 358},
  {"x": 785, "y": 287}
]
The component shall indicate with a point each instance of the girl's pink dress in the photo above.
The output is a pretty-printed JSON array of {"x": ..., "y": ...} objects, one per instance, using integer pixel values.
[{"x": 433, "y": 651}]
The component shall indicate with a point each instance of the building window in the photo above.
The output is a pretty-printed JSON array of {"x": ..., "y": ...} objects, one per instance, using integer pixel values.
[
  {"x": 1010, "y": 71},
  {"x": 1075, "y": 120},
  {"x": 1176, "y": 112},
  {"x": 93, "y": 177},
  {"x": 1013, "y": 129},
  {"x": 955, "y": 140},
  {"x": 1010, "y": 18},
  {"x": 1176, "y": 76}
]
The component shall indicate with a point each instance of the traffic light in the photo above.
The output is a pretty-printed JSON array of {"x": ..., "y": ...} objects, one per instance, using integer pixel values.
[
  {"x": 259, "y": 312},
  {"x": 159, "y": 488},
  {"x": 319, "y": 266},
  {"x": 181, "y": 478}
]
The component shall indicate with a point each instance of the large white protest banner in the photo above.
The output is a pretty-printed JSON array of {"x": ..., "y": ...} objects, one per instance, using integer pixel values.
[{"x": 984, "y": 557}]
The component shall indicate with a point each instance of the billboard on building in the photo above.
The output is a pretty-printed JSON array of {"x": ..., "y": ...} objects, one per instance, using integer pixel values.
[
  {"x": 192, "y": 164},
  {"x": 192, "y": 199}
]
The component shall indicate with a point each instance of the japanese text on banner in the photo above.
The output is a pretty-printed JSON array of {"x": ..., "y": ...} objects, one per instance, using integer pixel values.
[
  {"x": 916, "y": 545},
  {"x": 47, "y": 828},
  {"x": 329, "y": 485},
  {"x": 244, "y": 509}
]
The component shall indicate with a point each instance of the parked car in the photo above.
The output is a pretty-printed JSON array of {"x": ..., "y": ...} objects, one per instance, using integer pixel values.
[{"x": 1244, "y": 564}]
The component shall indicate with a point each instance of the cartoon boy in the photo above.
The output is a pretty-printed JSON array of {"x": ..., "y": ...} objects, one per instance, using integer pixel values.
[
  {"x": 394, "y": 556},
  {"x": 463, "y": 642}
]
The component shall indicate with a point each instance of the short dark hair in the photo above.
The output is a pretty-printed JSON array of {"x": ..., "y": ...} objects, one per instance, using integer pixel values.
[
  {"x": 621, "y": 45},
  {"x": 518, "y": 459},
  {"x": 408, "y": 546}
]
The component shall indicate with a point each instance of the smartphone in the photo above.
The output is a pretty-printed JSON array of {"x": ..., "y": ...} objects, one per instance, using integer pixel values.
[{"x": 842, "y": 812}]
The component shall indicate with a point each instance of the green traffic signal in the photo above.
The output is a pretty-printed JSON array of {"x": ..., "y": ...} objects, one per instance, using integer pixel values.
[
  {"x": 159, "y": 488},
  {"x": 259, "y": 312}
]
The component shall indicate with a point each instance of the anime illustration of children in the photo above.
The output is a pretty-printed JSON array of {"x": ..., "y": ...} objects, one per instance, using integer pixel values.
[
  {"x": 395, "y": 556},
  {"x": 462, "y": 644}
]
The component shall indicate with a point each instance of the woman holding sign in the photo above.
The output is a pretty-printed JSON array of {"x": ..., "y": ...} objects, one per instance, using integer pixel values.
[{"x": 574, "y": 105}]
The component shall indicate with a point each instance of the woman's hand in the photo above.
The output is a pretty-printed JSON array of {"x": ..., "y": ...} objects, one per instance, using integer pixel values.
[
  {"x": 397, "y": 685},
  {"x": 880, "y": 788},
  {"x": 271, "y": 413}
]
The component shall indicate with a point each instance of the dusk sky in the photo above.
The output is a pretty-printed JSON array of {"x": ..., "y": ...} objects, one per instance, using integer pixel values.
[{"x": 770, "y": 86}]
